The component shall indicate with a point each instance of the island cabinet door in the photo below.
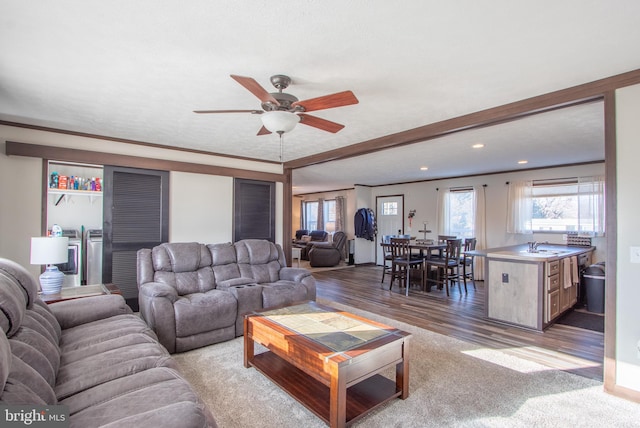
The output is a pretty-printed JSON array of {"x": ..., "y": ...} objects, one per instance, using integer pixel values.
[{"x": 553, "y": 305}]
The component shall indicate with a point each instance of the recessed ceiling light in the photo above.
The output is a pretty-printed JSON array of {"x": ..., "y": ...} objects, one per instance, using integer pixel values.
[
  {"x": 522, "y": 162},
  {"x": 478, "y": 146},
  {"x": 424, "y": 168}
]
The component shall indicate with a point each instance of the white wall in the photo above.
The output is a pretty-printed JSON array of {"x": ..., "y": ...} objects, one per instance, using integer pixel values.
[
  {"x": 196, "y": 208},
  {"x": 628, "y": 209},
  {"x": 21, "y": 190}
]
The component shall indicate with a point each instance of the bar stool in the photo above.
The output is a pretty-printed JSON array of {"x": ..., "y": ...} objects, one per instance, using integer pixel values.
[
  {"x": 466, "y": 261},
  {"x": 402, "y": 262},
  {"x": 448, "y": 267}
]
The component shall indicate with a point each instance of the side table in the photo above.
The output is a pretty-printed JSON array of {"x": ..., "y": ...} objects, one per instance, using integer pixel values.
[
  {"x": 68, "y": 293},
  {"x": 295, "y": 254}
]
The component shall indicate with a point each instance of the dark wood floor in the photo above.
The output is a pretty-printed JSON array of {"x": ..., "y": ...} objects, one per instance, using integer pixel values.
[{"x": 461, "y": 316}]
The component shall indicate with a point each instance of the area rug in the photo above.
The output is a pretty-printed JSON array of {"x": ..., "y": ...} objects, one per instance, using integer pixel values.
[
  {"x": 584, "y": 320},
  {"x": 452, "y": 383}
]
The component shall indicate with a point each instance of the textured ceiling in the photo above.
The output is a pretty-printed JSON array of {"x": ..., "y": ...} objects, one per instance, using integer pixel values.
[{"x": 137, "y": 70}]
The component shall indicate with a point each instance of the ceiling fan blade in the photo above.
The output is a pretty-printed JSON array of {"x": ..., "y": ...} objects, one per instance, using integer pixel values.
[
  {"x": 228, "y": 111},
  {"x": 263, "y": 131},
  {"x": 338, "y": 99},
  {"x": 254, "y": 87},
  {"x": 316, "y": 122}
]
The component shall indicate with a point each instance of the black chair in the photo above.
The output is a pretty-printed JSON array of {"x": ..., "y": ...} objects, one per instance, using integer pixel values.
[
  {"x": 402, "y": 262},
  {"x": 466, "y": 261},
  {"x": 387, "y": 257},
  {"x": 448, "y": 267},
  {"x": 327, "y": 254},
  {"x": 300, "y": 233}
]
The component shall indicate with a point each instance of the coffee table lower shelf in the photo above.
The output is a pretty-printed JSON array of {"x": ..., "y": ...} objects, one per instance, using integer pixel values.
[{"x": 362, "y": 397}]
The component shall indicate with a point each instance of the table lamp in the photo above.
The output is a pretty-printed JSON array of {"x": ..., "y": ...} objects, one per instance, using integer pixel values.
[{"x": 48, "y": 251}]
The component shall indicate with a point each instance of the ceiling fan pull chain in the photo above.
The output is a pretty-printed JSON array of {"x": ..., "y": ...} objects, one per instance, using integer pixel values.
[{"x": 281, "y": 150}]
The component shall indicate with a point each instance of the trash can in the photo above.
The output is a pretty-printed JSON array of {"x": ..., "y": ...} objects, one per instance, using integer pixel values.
[
  {"x": 352, "y": 250},
  {"x": 593, "y": 278}
]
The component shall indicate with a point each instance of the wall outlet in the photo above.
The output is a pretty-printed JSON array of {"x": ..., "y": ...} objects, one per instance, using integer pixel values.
[
  {"x": 635, "y": 254},
  {"x": 564, "y": 237},
  {"x": 505, "y": 278}
]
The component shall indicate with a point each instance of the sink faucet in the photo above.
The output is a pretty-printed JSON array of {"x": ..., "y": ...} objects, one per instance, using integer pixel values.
[{"x": 533, "y": 247}]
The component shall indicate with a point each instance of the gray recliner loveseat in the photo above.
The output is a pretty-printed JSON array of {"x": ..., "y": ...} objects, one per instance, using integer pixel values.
[
  {"x": 92, "y": 355},
  {"x": 193, "y": 295}
]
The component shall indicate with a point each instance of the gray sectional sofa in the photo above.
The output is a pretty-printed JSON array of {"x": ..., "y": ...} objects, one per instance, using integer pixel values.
[
  {"x": 193, "y": 295},
  {"x": 92, "y": 355}
]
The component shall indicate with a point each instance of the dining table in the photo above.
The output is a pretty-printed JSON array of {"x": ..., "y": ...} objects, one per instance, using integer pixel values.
[{"x": 426, "y": 249}]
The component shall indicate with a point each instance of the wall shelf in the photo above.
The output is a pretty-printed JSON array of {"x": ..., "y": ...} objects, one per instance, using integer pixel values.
[{"x": 66, "y": 194}]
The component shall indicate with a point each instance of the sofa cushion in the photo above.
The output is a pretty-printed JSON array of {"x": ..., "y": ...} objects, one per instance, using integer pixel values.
[
  {"x": 94, "y": 370},
  {"x": 5, "y": 359},
  {"x": 225, "y": 263},
  {"x": 153, "y": 398},
  {"x": 22, "y": 277},
  {"x": 26, "y": 378},
  {"x": 259, "y": 259},
  {"x": 13, "y": 304},
  {"x": 282, "y": 293},
  {"x": 180, "y": 257},
  {"x": 37, "y": 343},
  {"x": 202, "y": 312}
]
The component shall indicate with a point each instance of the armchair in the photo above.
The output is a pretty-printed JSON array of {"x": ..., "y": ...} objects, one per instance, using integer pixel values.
[
  {"x": 325, "y": 254},
  {"x": 316, "y": 236}
]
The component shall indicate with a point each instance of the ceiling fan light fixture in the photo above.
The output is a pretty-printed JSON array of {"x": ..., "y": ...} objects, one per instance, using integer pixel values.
[{"x": 279, "y": 121}]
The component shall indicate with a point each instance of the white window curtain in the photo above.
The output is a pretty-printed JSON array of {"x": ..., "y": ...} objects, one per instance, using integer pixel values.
[
  {"x": 591, "y": 205},
  {"x": 480, "y": 230},
  {"x": 444, "y": 224},
  {"x": 520, "y": 207}
]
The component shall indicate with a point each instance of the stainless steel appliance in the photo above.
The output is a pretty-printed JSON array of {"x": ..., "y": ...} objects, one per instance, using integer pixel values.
[
  {"x": 73, "y": 268},
  {"x": 93, "y": 248}
]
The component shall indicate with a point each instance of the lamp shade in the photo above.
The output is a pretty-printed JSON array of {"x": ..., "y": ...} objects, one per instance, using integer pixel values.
[
  {"x": 279, "y": 121},
  {"x": 48, "y": 250}
]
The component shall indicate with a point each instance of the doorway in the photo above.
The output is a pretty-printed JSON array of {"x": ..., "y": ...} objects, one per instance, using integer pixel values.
[{"x": 389, "y": 217}]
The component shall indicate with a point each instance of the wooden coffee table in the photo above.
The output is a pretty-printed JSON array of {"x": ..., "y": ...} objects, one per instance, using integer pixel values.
[{"x": 329, "y": 360}]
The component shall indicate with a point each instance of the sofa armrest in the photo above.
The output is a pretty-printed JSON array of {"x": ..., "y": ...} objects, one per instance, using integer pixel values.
[
  {"x": 157, "y": 289},
  {"x": 156, "y": 308},
  {"x": 294, "y": 274},
  {"x": 71, "y": 313}
]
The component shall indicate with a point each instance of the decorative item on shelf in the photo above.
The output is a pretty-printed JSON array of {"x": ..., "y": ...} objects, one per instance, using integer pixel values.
[{"x": 49, "y": 251}]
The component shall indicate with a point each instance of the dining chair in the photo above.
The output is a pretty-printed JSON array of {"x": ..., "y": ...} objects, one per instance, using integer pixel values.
[
  {"x": 387, "y": 257},
  {"x": 466, "y": 261},
  {"x": 442, "y": 239},
  {"x": 402, "y": 262},
  {"x": 448, "y": 266}
]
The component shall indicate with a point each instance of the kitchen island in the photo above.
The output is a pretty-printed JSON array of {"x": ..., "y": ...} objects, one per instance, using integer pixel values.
[{"x": 532, "y": 289}]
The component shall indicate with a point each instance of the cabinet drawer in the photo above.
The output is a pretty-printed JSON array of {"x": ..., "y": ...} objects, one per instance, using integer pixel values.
[
  {"x": 553, "y": 268},
  {"x": 553, "y": 282}
]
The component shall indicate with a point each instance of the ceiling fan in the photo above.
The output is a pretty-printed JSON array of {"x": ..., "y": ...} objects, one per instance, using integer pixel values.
[{"x": 281, "y": 111}]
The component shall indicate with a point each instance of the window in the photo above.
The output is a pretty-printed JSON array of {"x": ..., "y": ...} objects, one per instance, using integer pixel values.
[
  {"x": 557, "y": 206},
  {"x": 459, "y": 213},
  {"x": 565, "y": 207},
  {"x": 310, "y": 216},
  {"x": 389, "y": 208}
]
